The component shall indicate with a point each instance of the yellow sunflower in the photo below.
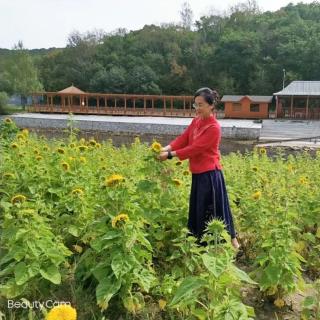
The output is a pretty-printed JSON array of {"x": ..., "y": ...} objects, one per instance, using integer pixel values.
[
  {"x": 8, "y": 175},
  {"x": 8, "y": 120},
  {"x": 279, "y": 303},
  {"x": 256, "y": 195},
  {"x": 303, "y": 180},
  {"x": 119, "y": 220},
  {"x": 18, "y": 198},
  {"x": 20, "y": 136},
  {"x": 178, "y": 163},
  {"x": 65, "y": 166},
  {"x": 38, "y": 158},
  {"x": 82, "y": 148},
  {"x": 14, "y": 146},
  {"x": 177, "y": 182},
  {"x": 186, "y": 172},
  {"x": 62, "y": 312},
  {"x": 77, "y": 248},
  {"x": 83, "y": 159},
  {"x": 156, "y": 147},
  {"x": 60, "y": 150},
  {"x": 77, "y": 191},
  {"x": 263, "y": 151},
  {"x": 25, "y": 132},
  {"x": 255, "y": 168},
  {"x": 113, "y": 180}
]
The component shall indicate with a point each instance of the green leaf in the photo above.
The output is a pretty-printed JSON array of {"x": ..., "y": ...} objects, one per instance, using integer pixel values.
[
  {"x": 52, "y": 274},
  {"x": 213, "y": 264},
  {"x": 21, "y": 273},
  {"x": 187, "y": 290},
  {"x": 243, "y": 276},
  {"x": 73, "y": 230},
  {"x": 106, "y": 289},
  {"x": 120, "y": 265}
]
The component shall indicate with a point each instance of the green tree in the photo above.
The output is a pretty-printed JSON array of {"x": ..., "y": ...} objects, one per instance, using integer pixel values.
[{"x": 22, "y": 74}]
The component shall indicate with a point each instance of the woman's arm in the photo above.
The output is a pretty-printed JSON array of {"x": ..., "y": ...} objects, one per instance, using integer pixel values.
[
  {"x": 209, "y": 138},
  {"x": 181, "y": 141}
]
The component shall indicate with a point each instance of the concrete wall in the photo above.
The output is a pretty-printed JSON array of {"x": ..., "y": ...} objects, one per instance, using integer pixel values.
[{"x": 242, "y": 131}]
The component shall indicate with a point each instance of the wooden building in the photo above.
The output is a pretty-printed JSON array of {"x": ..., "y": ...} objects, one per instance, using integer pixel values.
[
  {"x": 77, "y": 101},
  {"x": 246, "y": 107},
  {"x": 300, "y": 99}
]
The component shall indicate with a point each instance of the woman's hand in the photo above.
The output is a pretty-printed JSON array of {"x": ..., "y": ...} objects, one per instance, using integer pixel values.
[
  {"x": 163, "y": 156},
  {"x": 166, "y": 148}
]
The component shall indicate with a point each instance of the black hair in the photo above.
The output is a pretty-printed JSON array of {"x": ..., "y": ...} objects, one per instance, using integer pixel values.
[{"x": 212, "y": 97}]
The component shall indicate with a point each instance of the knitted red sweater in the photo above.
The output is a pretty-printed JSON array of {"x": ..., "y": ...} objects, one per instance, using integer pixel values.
[{"x": 200, "y": 144}]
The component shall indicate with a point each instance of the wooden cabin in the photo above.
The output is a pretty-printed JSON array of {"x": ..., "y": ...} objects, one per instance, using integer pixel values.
[{"x": 246, "y": 107}]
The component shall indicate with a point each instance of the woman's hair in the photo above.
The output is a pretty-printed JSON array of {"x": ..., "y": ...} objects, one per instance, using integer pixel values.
[{"x": 210, "y": 96}]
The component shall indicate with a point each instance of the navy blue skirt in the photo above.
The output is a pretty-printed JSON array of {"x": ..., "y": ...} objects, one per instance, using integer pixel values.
[{"x": 209, "y": 200}]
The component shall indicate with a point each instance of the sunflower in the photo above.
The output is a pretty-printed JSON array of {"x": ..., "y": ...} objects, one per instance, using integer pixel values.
[
  {"x": 177, "y": 182},
  {"x": 279, "y": 303},
  {"x": 14, "y": 146},
  {"x": 156, "y": 147},
  {"x": 20, "y": 136},
  {"x": 38, "y": 158},
  {"x": 8, "y": 120},
  {"x": 72, "y": 145},
  {"x": 303, "y": 180},
  {"x": 83, "y": 159},
  {"x": 82, "y": 148},
  {"x": 256, "y": 195},
  {"x": 62, "y": 312},
  {"x": 65, "y": 166},
  {"x": 255, "y": 168},
  {"x": 8, "y": 175},
  {"x": 98, "y": 145},
  {"x": 162, "y": 303},
  {"x": 36, "y": 151},
  {"x": 77, "y": 191},
  {"x": 18, "y": 198},
  {"x": 92, "y": 142},
  {"x": 179, "y": 163},
  {"x": 77, "y": 248},
  {"x": 60, "y": 150},
  {"x": 263, "y": 151},
  {"x": 25, "y": 132},
  {"x": 119, "y": 219},
  {"x": 186, "y": 172},
  {"x": 45, "y": 148},
  {"x": 114, "y": 180}
]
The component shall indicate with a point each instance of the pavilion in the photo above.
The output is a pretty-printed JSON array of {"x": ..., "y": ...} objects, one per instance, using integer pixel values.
[{"x": 300, "y": 99}]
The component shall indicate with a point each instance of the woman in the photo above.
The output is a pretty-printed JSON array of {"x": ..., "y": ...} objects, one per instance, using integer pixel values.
[{"x": 200, "y": 144}]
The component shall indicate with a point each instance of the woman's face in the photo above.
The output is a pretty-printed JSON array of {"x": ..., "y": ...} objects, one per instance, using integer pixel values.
[{"x": 203, "y": 108}]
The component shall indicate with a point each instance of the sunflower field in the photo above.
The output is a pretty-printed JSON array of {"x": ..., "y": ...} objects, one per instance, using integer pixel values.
[{"x": 104, "y": 229}]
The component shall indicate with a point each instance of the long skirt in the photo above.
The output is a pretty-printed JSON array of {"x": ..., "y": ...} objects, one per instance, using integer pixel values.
[{"x": 209, "y": 200}]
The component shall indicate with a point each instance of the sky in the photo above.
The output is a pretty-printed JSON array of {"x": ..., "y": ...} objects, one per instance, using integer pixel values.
[{"x": 48, "y": 23}]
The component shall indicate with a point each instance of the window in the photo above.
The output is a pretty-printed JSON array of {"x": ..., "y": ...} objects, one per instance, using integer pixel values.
[
  {"x": 236, "y": 107},
  {"x": 255, "y": 107}
]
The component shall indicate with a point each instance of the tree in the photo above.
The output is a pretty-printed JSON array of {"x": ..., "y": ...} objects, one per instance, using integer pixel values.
[
  {"x": 186, "y": 16},
  {"x": 22, "y": 74}
]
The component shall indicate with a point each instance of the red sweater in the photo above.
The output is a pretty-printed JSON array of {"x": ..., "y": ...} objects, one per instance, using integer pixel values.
[{"x": 200, "y": 144}]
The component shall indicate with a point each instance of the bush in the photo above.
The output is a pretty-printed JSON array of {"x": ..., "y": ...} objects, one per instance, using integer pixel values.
[{"x": 3, "y": 102}]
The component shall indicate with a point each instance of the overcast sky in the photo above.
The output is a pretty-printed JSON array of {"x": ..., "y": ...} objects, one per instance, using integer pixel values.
[{"x": 47, "y": 23}]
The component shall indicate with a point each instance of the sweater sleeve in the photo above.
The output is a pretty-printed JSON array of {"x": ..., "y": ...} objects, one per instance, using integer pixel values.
[
  {"x": 182, "y": 140},
  {"x": 208, "y": 139}
]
